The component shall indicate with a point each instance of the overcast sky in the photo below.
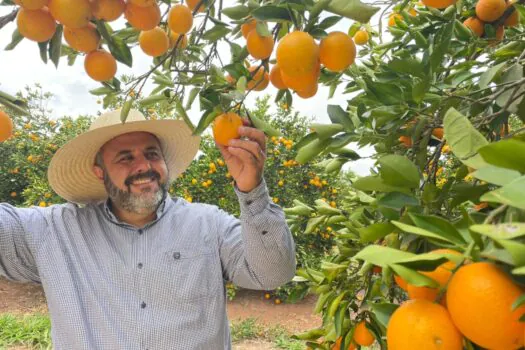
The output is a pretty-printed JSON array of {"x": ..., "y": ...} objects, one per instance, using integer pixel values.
[{"x": 70, "y": 84}]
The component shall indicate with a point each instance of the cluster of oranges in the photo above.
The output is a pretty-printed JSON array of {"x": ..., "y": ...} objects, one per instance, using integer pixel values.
[
  {"x": 438, "y": 133},
  {"x": 490, "y": 11},
  {"x": 478, "y": 305},
  {"x": 37, "y": 21},
  {"x": 362, "y": 337},
  {"x": 299, "y": 58}
]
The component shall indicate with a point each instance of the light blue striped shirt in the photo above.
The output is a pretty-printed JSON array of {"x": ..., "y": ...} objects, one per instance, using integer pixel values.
[{"x": 110, "y": 285}]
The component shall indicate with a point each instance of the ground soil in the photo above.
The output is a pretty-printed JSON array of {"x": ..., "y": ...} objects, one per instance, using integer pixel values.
[{"x": 20, "y": 298}]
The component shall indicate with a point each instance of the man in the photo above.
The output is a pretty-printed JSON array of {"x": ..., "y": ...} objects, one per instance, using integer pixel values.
[{"x": 132, "y": 268}]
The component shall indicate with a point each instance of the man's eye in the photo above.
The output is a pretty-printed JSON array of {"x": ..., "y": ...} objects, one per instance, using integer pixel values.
[
  {"x": 126, "y": 158},
  {"x": 153, "y": 154}
]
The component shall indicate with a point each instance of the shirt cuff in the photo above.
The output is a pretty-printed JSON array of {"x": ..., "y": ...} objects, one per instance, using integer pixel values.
[{"x": 255, "y": 201}]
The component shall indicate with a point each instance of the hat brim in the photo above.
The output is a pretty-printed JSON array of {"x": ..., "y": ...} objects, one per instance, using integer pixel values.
[{"x": 70, "y": 172}]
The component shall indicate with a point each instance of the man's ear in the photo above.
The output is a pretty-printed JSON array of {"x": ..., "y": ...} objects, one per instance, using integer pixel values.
[{"x": 99, "y": 172}]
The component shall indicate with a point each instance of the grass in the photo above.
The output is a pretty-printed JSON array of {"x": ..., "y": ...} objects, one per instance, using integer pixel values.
[
  {"x": 34, "y": 331},
  {"x": 29, "y": 330}
]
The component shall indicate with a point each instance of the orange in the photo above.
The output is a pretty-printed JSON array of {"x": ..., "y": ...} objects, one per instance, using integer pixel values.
[
  {"x": 421, "y": 324},
  {"x": 36, "y": 25},
  {"x": 143, "y": 18},
  {"x": 154, "y": 42},
  {"x": 173, "y": 40},
  {"x": 514, "y": 18},
  {"x": 362, "y": 336},
  {"x": 479, "y": 299},
  {"x": 412, "y": 12},
  {"x": 180, "y": 19},
  {"x": 500, "y": 33},
  {"x": 71, "y": 13},
  {"x": 260, "y": 47},
  {"x": 439, "y": 4},
  {"x": 260, "y": 80},
  {"x": 226, "y": 127},
  {"x": 297, "y": 53},
  {"x": 392, "y": 19},
  {"x": 6, "y": 126},
  {"x": 143, "y": 3},
  {"x": 361, "y": 37},
  {"x": 400, "y": 282},
  {"x": 441, "y": 275},
  {"x": 337, "y": 345},
  {"x": 231, "y": 80},
  {"x": 337, "y": 51},
  {"x": 308, "y": 92},
  {"x": 84, "y": 39},
  {"x": 490, "y": 10},
  {"x": 301, "y": 82},
  {"x": 276, "y": 78},
  {"x": 32, "y": 4},
  {"x": 108, "y": 10},
  {"x": 406, "y": 140},
  {"x": 477, "y": 26},
  {"x": 192, "y": 4},
  {"x": 438, "y": 133},
  {"x": 100, "y": 65},
  {"x": 247, "y": 27}
]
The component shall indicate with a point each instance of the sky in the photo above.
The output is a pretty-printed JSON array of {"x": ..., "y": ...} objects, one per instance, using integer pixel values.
[{"x": 70, "y": 85}]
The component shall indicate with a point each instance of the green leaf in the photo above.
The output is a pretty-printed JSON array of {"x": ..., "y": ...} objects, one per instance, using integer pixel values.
[
  {"x": 55, "y": 45},
  {"x": 206, "y": 120},
  {"x": 338, "y": 116},
  {"x": 271, "y": 13},
  {"x": 420, "y": 88},
  {"x": 43, "y": 50},
  {"x": 398, "y": 170},
  {"x": 512, "y": 194},
  {"x": 382, "y": 256},
  {"x": 311, "y": 150},
  {"x": 496, "y": 176},
  {"x": 193, "y": 94},
  {"x": 490, "y": 75},
  {"x": 501, "y": 231},
  {"x": 375, "y": 231},
  {"x": 438, "y": 225},
  {"x": 236, "y": 12},
  {"x": 397, "y": 201},
  {"x": 425, "y": 233},
  {"x": 513, "y": 74},
  {"x": 383, "y": 312},
  {"x": 508, "y": 153},
  {"x": 411, "y": 66},
  {"x": 442, "y": 43},
  {"x": 151, "y": 100},
  {"x": 353, "y": 9},
  {"x": 216, "y": 33},
  {"x": 262, "y": 29},
  {"x": 124, "y": 112},
  {"x": 264, "y": 126},
  {"x": 515, "y": 249},
  {"x": 313, "y": 223},
  {"x": 117, "y": 46},
  {"x": 16, "y": 38},
  {"x": 375, "y": 183},
  {"x": 325, "y": 131},
  {"x": 464, "y": 139},
  {"x": 413, "y": 277},
  {"x": 519, "y": 302}
]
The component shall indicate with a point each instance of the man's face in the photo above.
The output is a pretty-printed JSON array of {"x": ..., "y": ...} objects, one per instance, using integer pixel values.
[{"x": 135, "y": 174}]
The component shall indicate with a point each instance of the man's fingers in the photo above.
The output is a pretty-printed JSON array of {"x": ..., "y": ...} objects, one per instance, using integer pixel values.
[
  {"x": 244, "y": 155},
  {"x": 250, "y": 146},
  {"x": 255, "y": 135}
]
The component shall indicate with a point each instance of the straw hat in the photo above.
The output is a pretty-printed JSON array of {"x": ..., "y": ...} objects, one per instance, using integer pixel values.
[{"x": 70, "y": 172}]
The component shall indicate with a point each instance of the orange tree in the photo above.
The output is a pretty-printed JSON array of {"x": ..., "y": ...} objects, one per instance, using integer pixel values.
[{"x": 441, "y": 82}]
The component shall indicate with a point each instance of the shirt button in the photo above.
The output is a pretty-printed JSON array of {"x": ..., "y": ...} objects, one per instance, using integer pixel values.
[
  {"x": 140, "y": 232},
  {"x": 249, "y": 202},
  {"x": 139, "y": 265},
  {"x": 264, "y": 232},
  {"x": 143, "y": 305}
]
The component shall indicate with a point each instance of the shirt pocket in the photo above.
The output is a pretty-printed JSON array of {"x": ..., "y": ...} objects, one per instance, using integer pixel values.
[{"x": 190, "y": 274}]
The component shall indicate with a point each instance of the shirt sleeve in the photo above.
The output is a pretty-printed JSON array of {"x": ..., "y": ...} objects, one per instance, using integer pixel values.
[
  {"x": 17, "y": 244},
  {"x": 257, "y": 251}
]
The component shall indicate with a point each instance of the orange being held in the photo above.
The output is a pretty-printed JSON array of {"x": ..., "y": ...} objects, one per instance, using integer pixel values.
[
  {"x": 337, "y": 51},
  {"x": 36, "y": 25},
  {"x": 154, "y": 42},
  {"x": 32, "y": 4},
  {"x": 226, "y": 127},
  {"x": 297, "y": 54},
  {"x": 422, "y": 325},
  {"x": 479, "y": 300},
  {"x": 71, "y": 13},
  {"x": 180, "y": 19},
  {"x": 6, "y": 126},
  {"x": 260, "y": 80},
  {"x": 143, "y": 18},
  {"x": 108, "y": 10},
  {"x": 100, "y": 65},
  {"x": 84, "y": 39}
]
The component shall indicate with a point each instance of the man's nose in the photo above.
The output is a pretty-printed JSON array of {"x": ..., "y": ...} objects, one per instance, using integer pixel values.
[{"x": 142, "y": 164}]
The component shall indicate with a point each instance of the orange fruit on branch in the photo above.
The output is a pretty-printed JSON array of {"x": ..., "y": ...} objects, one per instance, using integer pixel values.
[
  {"x": 143, "y": 18},
  {"x": 247, "y": 27},
  {"x": 143, "y": 3},
  {"x": 406, "y": 141},
  {"x": 438, "y": 133},
  {"x": 479, "y": 299},
  {"x": 71, "y": 13},
  {"x": 259, "y": 80},
  {"x": 100, "y": 65},
  {"x": 392, "y": 19},
  {"x": 226, "y": 127},
  {"x": 276, "y": 77},
  {"x": 174, "y": 37},
  {"x": 421, "y": 324},
  {"x": 301, "y": 82},
  {"x": 36, "y": 25},
  {"x": 192, "y": 4},
  {"x": 514, "y": 18},
  {"x": 309, "y": 91},
  {"x": 490, "y": 10},
  {"x": 438, "y": 4},
  {"x": 337, "y": 51},
  {"x": 32, "y": 4},
  {"x": 259, "y": 47},
  {"x": 6, "y": 126},
  {"x": 154, "y": 42},
  {"x": 297, "y": 54},
  {"x": 400, "y": 282},
  {"x": 84, "y": 39},
  {"x": 362, "y": 336},
  {"x": 361, "y": 37},
  {"x": 180, "y": 19},
  {"x": 475, "y": 25},
  {"x": 108, "y": 10}
]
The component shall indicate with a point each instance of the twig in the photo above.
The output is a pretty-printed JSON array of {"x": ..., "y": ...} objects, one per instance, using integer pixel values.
[{"x": 8, "y": 18}]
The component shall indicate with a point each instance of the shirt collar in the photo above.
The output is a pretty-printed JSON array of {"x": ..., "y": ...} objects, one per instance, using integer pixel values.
[{"x": 161, "y": 210}]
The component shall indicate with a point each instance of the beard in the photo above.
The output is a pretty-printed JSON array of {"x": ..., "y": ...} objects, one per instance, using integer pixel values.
[{"x": 139, "y": 203}]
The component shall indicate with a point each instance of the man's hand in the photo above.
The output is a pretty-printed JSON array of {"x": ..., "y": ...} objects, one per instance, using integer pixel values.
[{"x": 245, "y": 157}]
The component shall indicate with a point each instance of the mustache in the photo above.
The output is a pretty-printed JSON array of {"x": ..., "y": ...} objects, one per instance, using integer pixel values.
[{"x": 147, "y": 175}]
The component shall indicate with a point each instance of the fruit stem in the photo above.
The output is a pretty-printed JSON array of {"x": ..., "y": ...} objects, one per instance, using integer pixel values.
[{"x": 495, "y": 213}]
